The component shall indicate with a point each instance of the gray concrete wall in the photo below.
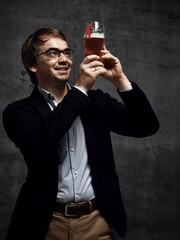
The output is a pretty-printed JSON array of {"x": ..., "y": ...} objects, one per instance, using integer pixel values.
[{"x": 144, "y": 35}]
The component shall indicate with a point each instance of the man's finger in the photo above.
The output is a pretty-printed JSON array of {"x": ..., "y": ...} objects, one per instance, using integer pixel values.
[
  {"x": 95, "y": 64},
  {"x": 99, "y": 71},
  {"x": 91, "y": 58}
]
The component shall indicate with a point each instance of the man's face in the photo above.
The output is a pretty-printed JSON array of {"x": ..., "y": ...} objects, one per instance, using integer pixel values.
[{"x": 50, "y": 71}]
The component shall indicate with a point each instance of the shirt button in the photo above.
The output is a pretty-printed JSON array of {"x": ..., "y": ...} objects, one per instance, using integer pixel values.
[
  {"x": 75, "y": 173},
  {"x": 77, "y": 195},
  {"x": 72, "y": 149}
]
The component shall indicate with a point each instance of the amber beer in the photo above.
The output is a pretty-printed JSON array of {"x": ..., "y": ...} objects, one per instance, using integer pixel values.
[
  {"x": 94, "y": 38},
  {"x": 93, "y": 45}
]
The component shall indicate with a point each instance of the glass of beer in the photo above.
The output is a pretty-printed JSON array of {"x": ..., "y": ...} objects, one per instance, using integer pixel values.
[{"x": 94, "y": 38}]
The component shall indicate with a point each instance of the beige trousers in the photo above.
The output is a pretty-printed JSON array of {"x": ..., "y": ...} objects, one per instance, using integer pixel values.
[{"x": 88, "y": 227}]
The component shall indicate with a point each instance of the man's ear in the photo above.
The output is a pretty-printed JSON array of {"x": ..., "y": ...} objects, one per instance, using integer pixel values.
[{"x": 33, "y": 69}]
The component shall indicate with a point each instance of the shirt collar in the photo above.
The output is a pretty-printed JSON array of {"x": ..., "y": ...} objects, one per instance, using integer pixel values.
[{"x": 45, "y": 93}]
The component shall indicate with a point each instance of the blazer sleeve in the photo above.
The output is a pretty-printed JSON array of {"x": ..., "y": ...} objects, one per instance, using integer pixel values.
[
  {"x": 135, "y": 117},
  {"x": 29, "y": 130}
]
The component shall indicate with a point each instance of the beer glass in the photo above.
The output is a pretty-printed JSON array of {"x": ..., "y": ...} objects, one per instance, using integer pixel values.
[{"x": 94, "y": 38}]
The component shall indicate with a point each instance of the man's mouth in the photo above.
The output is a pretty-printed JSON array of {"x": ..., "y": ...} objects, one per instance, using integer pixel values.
[{"x": 61, "y": 68}]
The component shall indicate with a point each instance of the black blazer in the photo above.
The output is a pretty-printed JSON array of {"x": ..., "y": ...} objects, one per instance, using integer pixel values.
[{"x": 36, "y": 130}]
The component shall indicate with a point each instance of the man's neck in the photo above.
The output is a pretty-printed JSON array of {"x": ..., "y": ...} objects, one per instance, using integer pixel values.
[{"x": 58, "y": 92}]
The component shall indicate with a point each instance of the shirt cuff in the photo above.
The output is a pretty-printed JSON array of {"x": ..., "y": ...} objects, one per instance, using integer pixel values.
[
  {"x": 80, "y": 89},
  {"x": 126, "y": 90}
]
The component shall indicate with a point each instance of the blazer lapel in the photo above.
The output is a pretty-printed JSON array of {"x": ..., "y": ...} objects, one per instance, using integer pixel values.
[{"x": 38, "y": 100}]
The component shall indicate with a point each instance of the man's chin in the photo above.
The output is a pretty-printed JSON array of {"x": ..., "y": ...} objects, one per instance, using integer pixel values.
[{"x": 63, "y": 78}]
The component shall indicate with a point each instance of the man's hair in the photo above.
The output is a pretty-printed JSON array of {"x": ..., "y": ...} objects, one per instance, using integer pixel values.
[{"x": 29, "y": 47}]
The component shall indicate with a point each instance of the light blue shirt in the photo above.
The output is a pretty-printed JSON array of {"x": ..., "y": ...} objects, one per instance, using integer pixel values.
[{"x": 74, "y": 174}]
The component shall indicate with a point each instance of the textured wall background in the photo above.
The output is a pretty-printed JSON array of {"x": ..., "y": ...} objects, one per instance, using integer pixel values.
[{"x": 144, "y": 35}]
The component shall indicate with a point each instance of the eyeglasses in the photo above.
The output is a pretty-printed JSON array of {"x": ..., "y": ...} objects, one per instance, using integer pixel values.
[{"x": 54, "y": 53}]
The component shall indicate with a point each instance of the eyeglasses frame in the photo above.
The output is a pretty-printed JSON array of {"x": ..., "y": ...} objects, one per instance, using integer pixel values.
[{"x": 59, "y": 52}]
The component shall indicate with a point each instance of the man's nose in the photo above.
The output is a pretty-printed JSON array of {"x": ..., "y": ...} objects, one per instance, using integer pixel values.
[{"x": 62, "y": 58}]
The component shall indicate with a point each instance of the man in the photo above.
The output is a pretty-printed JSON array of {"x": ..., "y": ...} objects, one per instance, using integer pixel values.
[{"x": 63, "y": 132}]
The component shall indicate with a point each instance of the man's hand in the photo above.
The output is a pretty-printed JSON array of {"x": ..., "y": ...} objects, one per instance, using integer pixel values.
[
  {"x": 89, "y": 70},
  {"x": 114, "y": 71}
]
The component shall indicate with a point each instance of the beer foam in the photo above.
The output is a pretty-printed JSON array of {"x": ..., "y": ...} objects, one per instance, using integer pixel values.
[{"x": 97, "y": 35}]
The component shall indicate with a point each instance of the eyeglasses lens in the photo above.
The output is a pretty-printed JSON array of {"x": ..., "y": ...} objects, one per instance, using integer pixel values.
[{"x": 57, "y": 53}]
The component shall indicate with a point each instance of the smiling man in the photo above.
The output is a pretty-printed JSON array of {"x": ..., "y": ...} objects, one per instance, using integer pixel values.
[{"x": 63, "y": 132}]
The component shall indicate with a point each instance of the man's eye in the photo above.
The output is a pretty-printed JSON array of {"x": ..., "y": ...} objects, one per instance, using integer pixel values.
[
  {"x": 67, "y": 53},
  {"x": 52, "y": 53}
]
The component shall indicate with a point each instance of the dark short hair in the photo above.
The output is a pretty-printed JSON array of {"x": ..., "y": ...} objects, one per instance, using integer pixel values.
[{"x": 28, "y": 51}]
